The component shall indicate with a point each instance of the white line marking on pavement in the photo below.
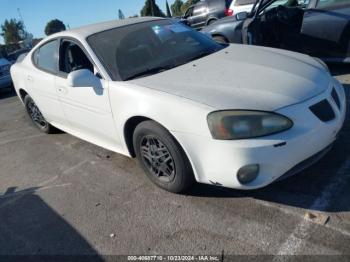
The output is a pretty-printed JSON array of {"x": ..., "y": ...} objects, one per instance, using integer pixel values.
[
  {"x": 20, "y": 139},
  {"x": 295, "y": 241},
  {"x": 70, "y": 169},
  {"x": 47, "y": 181}
]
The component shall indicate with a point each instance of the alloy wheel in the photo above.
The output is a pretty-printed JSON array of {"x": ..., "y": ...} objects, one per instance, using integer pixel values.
[
  {"x": 36, "y": 115},
  {"x": 157, "y": 159}
]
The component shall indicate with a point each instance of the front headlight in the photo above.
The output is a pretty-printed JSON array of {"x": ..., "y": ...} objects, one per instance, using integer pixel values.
[{"x": 243, "y": 124}]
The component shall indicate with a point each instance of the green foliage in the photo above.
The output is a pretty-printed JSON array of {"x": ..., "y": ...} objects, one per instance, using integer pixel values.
[
  {"x": 151, "y": 9},
  {"x": 168, "y": 12},
  {"x": 12, "y": 31},
  {"x": 187, "y": 4},
  {"x": 121, "y": 15},
  {"x": 176, "y": 8},
  {"x": 54, "y": 26}
]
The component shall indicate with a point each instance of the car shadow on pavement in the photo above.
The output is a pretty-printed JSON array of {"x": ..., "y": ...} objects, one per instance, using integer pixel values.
[
  {"x": 321, "y": 187},
  {"x": 30, "y": 227},
  {"x": 7, "y": 92}
]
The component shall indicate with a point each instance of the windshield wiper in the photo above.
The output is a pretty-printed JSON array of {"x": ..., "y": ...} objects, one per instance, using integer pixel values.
[{"x": 149, "y": 71}]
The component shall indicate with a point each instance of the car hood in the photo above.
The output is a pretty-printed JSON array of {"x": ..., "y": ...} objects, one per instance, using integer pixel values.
[{"x": 244, "y": 77}]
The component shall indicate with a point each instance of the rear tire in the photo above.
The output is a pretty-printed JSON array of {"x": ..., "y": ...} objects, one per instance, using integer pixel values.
[
  {"x": 36, "y": 116},
  {"x": 211, "y": 22},
  {"x": 162, "y": 158}
]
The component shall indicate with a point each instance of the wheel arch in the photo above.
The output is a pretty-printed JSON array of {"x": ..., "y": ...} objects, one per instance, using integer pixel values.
[
  {"x": 211, "y": 19},
  {"x": 220, "y": 35},
  {"x": 129, "y": 129},
  {"x": 128, "y": 132},
  {"x": 22, "y": 93}
]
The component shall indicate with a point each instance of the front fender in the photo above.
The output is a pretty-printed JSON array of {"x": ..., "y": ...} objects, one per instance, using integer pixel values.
[
  {"x": 228, "y": 28},
  {"x": 175, "y": 113}
]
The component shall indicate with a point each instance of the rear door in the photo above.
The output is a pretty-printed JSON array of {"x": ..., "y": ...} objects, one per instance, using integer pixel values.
[
  {"x": 326, "y": 29},
  {"x": 40, "y": 81}
]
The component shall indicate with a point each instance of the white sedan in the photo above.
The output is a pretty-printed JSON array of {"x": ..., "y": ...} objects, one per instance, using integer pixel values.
[{"x": 188, "y": 108}]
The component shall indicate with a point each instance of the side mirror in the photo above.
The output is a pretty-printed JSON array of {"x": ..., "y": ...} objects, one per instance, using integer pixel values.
[
  {"x": 83, "y": 78},
  {"x": 241, "y": 16}
]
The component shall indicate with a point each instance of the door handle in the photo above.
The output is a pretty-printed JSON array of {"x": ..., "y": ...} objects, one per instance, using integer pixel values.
[
  {"x": 30, "y": 78},
  {"x": 62, "y": 90}
]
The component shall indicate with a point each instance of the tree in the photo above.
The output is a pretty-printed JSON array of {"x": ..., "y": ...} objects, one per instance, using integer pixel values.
[
  {"x": 176, "y": 8},
  {"x": 151, "y": 9},
  {"x": 168, "y": 12},
  {"x": 187, "y": 4},
  {"x": 12, "y": 31},
  {"x": 121, "y": 15},
  {"x": 54, "y": 26}
]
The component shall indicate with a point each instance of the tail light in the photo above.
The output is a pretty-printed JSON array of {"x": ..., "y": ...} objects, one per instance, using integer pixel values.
[{"x": 228, "y": 12}]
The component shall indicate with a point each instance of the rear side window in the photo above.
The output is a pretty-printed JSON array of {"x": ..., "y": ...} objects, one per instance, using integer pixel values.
[
  {"x": 326, "y": 3},
  {"x": 46, "y": 58}
]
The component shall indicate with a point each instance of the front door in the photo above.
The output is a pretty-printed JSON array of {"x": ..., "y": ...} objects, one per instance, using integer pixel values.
[
  {"x": 87, "y": 109},
  {"x": 326, "y": 29}
]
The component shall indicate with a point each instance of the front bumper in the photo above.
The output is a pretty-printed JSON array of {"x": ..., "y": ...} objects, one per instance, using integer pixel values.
[
  {"x": 5, "y": 81},
  {"x": 217, "y": 162}
]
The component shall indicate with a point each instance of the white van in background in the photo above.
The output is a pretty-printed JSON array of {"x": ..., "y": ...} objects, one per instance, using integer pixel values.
[{"x": 238, "y": 6}]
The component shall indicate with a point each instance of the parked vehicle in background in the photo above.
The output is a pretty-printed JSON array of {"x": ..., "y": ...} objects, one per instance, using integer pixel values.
[
  {"x": 238, "y": 6},
  {"x": 320, "y": 28},
  {"x": 164, "y": 93},
  {"x": 12, "y": 57},
  {"x": 206, "y": 12},
  {"x": 5, "y": 77}
]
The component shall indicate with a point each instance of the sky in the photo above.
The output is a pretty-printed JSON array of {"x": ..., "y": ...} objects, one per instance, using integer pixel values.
[{"x": 36, "y": 13}]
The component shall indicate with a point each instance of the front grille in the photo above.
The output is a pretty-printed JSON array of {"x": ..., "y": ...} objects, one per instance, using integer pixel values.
[
  {"x": 336, "y": 98},
  {"x": 323, "y": 110}
]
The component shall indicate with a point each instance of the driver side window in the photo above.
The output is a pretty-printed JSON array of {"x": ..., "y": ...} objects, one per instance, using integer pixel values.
[{"x": 73, "y": 58}]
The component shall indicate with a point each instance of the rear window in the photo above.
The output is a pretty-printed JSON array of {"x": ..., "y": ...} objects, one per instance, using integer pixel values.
[
  {"x": 244, "y": 2},
  {"x": 228, "y": 3}
]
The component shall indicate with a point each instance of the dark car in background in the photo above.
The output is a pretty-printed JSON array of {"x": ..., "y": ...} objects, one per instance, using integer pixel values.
[
  {"x": 12, "y": 57},
  {"x": 5, "y": 77},
  {"x": 320, "y": 28},
  {"x": 206, "y": 12}
]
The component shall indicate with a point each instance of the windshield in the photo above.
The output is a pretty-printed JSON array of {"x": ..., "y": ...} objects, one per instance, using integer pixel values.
[{"x": 147, "y": 48}]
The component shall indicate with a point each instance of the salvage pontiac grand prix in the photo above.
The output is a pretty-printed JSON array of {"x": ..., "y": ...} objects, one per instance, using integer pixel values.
[{"x": 188, "y": 108}]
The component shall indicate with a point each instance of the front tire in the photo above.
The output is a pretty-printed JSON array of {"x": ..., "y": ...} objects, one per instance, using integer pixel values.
[
  {"x": 162, "y": 158},
  {"x": 220, "y": 39},
  {"x": 37, "y": 117}
]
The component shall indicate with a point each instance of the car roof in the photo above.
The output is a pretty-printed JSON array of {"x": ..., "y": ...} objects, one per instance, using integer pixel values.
[{"x": 85, "y": 31}]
